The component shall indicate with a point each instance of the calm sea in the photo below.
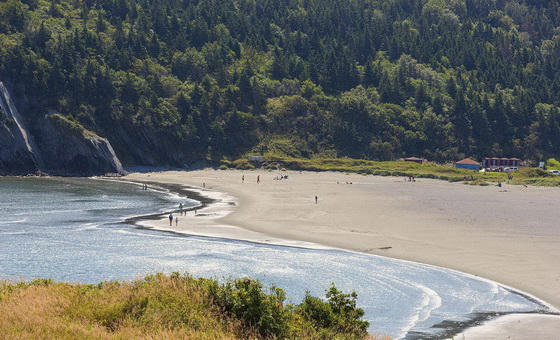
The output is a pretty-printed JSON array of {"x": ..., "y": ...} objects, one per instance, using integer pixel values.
[{"x": 72, "y": 230}]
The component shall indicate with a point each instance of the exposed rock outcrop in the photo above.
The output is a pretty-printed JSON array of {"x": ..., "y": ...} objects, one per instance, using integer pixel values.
[
  {"x": 18, "y": 153},
  {"x": 55, "y": 146},
  {"x": 14, "y": 159},
  {"x": 67, "y": 148}
]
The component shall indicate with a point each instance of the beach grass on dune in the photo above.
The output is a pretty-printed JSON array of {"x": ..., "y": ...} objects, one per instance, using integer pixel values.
[
  {"x": 447, "y": 172},
  {"x": 173, "y": 307}
]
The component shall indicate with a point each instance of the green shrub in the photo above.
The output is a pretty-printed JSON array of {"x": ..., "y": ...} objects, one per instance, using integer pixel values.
[
  {"x": 338, "y": 314},
  {"x": 246, "y": 300},
  {"x": 552, "y": 164},
  {"x": 242, "y": 164},
  {"x": 70, "y": 126}
]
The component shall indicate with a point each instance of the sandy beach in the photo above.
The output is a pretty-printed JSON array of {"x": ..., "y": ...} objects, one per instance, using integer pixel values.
[{"x": 509, "y": 234}]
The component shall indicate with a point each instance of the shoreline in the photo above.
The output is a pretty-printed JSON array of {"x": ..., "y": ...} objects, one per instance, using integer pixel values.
[
  {"x": 487, "y": 322},
  {"x": 147, "y": 222},
  {"x": 251, "y": 200},
  {"x": 214, "y": 206}
]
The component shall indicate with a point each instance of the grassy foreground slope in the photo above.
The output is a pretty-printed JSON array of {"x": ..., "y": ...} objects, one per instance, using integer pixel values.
[{"x": 173, "y": 307}]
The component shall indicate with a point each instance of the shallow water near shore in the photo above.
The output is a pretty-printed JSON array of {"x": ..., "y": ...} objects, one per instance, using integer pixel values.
[{"x": 71, "y": 230}]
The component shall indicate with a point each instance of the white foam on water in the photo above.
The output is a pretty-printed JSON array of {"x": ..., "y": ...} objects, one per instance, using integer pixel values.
[
  {"x": 399, "y": 297},
  {"x": 14, "y": 221}
]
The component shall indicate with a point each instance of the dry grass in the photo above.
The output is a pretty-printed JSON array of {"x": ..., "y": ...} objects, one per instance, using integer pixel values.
[{"x": 157, "y": 307}]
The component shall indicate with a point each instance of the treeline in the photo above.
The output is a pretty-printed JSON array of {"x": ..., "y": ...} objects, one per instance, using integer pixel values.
[{"x": 203, "y": 79}]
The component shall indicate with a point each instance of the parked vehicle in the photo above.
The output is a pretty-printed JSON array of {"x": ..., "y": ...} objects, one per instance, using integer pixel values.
[
  {"x": 510, "y": 169},
  {"x": 555, "y": 172}
]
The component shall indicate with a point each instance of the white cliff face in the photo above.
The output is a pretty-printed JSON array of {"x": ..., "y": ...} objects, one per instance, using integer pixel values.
[
  {"x": 19, "y": 130},
  {"x": 17, "y": 152},
  {"x": 49, "y": 149}
]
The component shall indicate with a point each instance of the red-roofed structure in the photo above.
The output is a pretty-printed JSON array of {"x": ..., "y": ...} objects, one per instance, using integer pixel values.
[
  {"x": 467, "y": 163},
  {"x": 500, "y": 163}
]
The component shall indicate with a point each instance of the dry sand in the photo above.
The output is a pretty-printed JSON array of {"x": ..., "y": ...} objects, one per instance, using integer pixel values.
[
  {"x": 516, "y": 327},
  {"x": 510, "y": 234}
]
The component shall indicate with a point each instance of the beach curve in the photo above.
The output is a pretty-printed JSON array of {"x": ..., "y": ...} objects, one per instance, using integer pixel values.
[{"x": 426, "y": 221}]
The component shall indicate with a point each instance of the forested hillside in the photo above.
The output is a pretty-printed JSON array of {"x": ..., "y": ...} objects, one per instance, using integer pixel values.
[{"x": 169, "y": 82}]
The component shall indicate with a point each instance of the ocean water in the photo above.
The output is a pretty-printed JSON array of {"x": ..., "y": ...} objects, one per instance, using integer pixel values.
[{"x": 72, "y": 230}]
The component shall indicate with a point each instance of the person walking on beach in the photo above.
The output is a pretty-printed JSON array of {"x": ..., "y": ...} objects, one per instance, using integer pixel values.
[
  {"x": 243, "y": 179},
  {"x": 170, "y": 219},
  {"x": 181, "y": 208},
  {"x": 315, "y": 199},
  {"x": 176, "y": 221},
  {"x": 258, "y": 179}
]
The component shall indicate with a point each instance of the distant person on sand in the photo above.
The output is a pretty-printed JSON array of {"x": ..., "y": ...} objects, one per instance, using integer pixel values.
[
  {"x": 243, "y": 179},
  {"x": 176, "y": 221},
  {"x": 315, "y": 199},
  {"x": 170, "y": 219},
  {"x": 181, "y": 208},
  {"x": 258, "y": 179}
]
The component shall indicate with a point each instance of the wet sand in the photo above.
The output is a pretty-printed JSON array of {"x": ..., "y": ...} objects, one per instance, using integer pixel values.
[{"x": 510, "y": 234}]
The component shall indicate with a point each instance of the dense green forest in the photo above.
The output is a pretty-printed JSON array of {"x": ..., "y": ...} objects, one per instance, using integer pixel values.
[{"x": 186, "y": 80}]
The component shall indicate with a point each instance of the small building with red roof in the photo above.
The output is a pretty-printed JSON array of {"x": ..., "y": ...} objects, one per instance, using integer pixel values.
[{"x": 467, "y": 163}]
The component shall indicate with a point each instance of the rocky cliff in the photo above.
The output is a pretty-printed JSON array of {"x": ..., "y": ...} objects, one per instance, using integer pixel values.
[
  {"x": 53, "y": 145},
  {"x": 67, "y": 148}
]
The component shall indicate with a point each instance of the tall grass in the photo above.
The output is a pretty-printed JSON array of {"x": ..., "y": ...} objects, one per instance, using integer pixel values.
[{"x": 165, "y": 307}]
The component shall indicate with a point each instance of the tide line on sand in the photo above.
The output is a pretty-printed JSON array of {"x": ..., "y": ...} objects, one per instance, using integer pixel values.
[{"x": 207, "y": 223}]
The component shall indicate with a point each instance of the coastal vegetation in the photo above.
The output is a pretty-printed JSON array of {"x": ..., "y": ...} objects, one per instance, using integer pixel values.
[
  {"x": 447, "y": 172},
  {"x": 553, "y": 164},
  {"x": 172, "y": 82},
  {"x": 70, "y": 127},
  {"x": 174, "y": 307}
]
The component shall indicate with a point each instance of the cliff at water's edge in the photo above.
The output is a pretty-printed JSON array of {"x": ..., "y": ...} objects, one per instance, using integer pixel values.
[{"x": 53, "y": 145}]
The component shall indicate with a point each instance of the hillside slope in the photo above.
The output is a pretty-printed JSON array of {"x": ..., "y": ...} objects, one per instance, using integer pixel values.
[{"x": 169, "y": 82}]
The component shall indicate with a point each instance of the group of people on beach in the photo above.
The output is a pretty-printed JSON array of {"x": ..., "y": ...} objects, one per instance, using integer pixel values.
[
  {"x": 258, "y": 179},
  {"x": 281, "y": 177},
  {"x": 182, "y": 210}
]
